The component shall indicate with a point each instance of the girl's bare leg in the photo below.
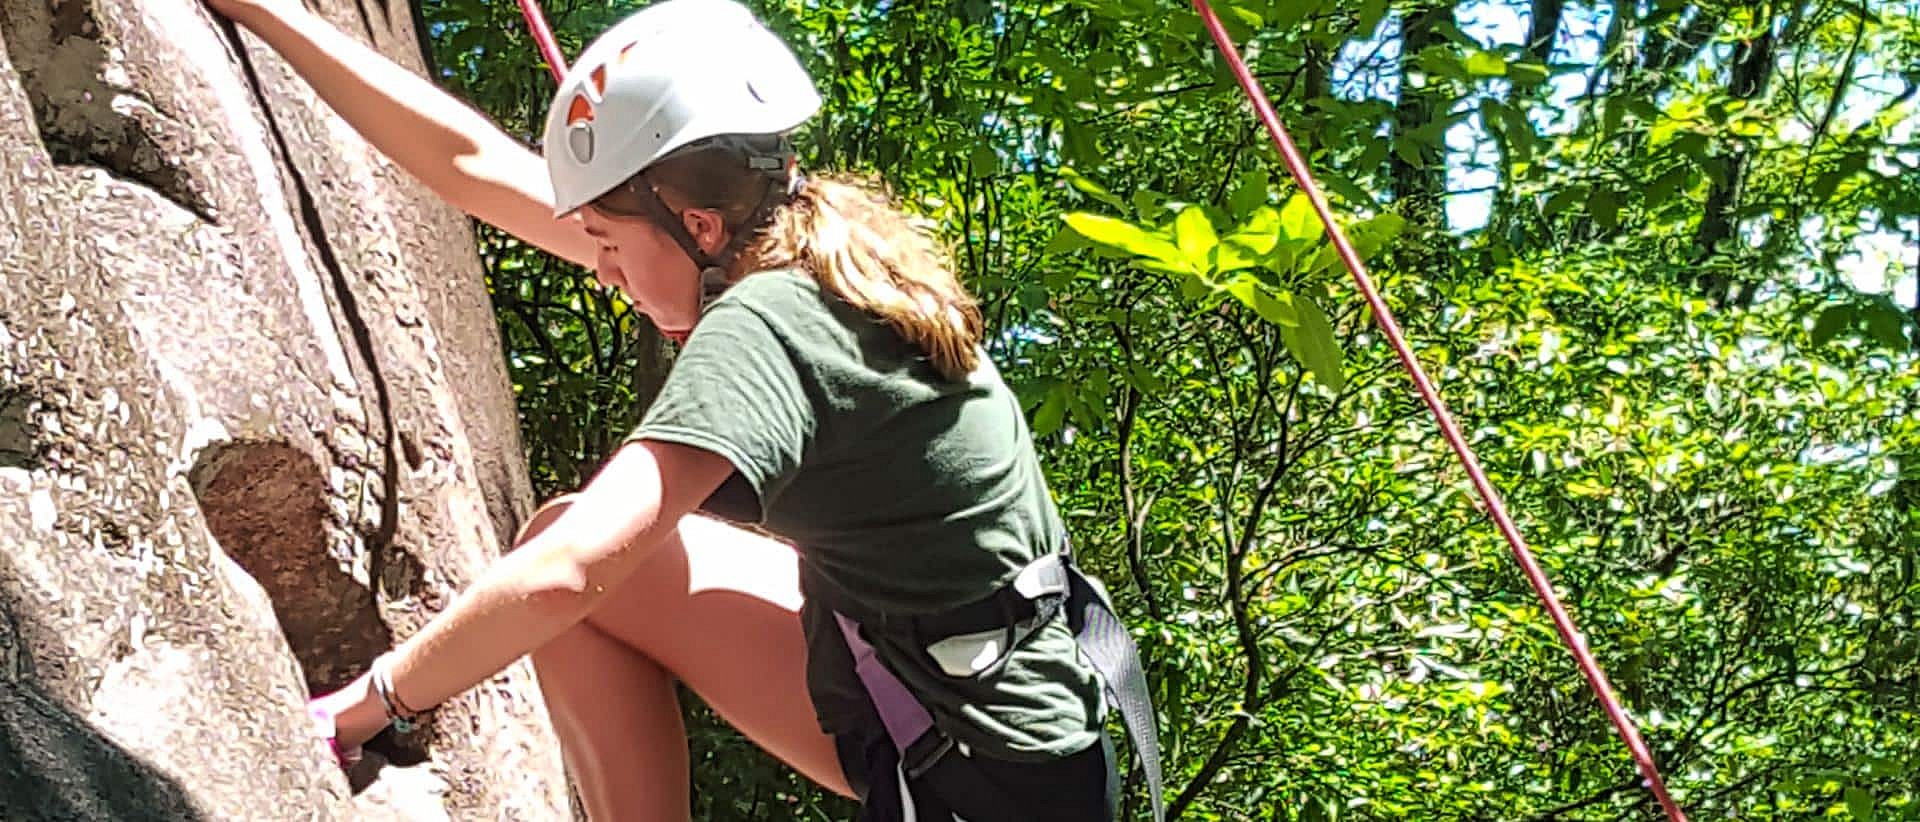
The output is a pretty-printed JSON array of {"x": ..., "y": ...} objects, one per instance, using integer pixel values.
[
  {"x": 716, "y": 608},
  {"x": 619, "y": 725}
]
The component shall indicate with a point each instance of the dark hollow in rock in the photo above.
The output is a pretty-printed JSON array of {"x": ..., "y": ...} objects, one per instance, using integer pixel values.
[
  {"x": 19, "y": 441},
  {"x": 266, "y": 505}
]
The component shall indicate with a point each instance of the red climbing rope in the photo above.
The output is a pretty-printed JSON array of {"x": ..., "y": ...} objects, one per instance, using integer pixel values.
[
  {"x": 543, "y": 37},
  {"x": 1568, "y": 632}
]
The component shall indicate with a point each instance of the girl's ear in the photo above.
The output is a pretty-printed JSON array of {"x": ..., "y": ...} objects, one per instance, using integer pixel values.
[{"x": 707, "y": 227}]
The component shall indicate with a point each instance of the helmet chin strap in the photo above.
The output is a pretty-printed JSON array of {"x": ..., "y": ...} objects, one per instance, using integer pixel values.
[
  {"x": 655, "y": 210},
  {"x": 783, "y": 181}
]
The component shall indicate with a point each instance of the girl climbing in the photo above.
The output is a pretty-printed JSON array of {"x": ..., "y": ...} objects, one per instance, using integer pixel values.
[{"x": 927, "y": 645}]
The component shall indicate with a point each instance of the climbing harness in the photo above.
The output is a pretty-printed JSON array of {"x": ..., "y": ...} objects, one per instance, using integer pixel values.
[
  {"x": 978, "y": 639},
  {"x": 1569, "y": 633}
]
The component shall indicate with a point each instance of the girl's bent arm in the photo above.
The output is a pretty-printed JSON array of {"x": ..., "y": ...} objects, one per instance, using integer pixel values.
[
  {"x": 553, "y": 581},
  {"x": 428, "y": 132}
]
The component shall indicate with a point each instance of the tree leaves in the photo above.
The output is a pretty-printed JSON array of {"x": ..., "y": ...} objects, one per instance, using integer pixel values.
[
  {"x": 1298, "y": 219},
  {"x": 1276, "y": 309},
  {"x": 1860, "y": 803},
  {"x": 1563, "y": 199},
  {"x": 1604, "y": 206},
  {"x": 1667, "y": 184},
  {"x": 1090, "y": 188},
  {"x": 1527, "y": 72},
  {"x": 1249, "y": 193},
  {"x": 1877, "y": 319},
  {"x": 1516, "y": 133},
  {"x": 1313, "y": 343},
  {"x": 1198, "y": 256},
  {"x": 1051, "y": 414},
  {"x": 1832, "y": 321},
  {"x": 1484, "y": 64}
]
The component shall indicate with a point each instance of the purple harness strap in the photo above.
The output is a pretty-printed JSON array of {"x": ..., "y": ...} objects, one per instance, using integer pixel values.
[{"x": 906, "y": 719}]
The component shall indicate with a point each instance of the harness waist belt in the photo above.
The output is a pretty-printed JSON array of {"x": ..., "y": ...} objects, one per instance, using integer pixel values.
[{"x": 1042, "y": 590}]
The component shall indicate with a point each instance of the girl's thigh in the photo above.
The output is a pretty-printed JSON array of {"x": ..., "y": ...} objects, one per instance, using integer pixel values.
[{"x": 718, "y": 607}]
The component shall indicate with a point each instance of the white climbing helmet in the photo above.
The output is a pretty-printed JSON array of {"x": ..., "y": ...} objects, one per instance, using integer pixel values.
[{"x": 670, "y": 74}]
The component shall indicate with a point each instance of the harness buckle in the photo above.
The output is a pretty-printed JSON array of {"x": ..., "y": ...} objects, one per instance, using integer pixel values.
[
  {"x": 1042, "y": 577},
  {"x": 925, "y": 752}
]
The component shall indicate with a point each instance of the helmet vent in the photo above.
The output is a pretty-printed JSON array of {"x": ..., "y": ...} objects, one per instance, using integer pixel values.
[{"x": 580, "y": 142}]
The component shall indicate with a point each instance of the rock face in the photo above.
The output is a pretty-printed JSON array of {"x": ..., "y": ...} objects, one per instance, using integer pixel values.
[{"x": 254, "y": 424}]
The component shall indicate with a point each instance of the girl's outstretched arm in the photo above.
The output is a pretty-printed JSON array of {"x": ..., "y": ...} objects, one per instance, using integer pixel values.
[{"x": 434, "y": 136}]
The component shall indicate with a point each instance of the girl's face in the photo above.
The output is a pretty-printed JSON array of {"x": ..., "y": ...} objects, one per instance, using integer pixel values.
[{"x": 645, "y": 264}]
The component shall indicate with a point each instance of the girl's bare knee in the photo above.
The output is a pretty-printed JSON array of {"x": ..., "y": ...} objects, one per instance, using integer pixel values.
[
  {"x": 702, "y": 555},
  {"x": 542, "y": 517}
]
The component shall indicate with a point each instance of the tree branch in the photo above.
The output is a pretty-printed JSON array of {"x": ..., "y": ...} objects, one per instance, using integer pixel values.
[
  {"x": 1135, "y": 514},
  {"x": 1603, "y": 795}
]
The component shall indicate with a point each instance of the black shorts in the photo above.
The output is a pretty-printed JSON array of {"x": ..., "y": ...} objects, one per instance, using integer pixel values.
[{"x": 1081, "y": 787}]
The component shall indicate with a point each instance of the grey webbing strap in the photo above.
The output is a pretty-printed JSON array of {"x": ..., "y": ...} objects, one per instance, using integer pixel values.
[{"x": 1110, "y": 649}]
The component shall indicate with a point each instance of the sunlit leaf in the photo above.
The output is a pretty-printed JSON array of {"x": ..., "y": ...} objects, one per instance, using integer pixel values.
[
  {"x": 1251, "y": 293},
  {"x": 1090, "y": 188},
  {"x": 1194, "y": 234},
  {"x": 1313, "y": 343},
  {"x": 1124, "y": 236},
  {"x": 1485, "y": 64},
  {"x": 1298, "y": 220}
]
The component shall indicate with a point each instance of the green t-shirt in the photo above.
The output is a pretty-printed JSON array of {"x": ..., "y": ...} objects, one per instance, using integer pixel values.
[{"x": 908, "y": 492}]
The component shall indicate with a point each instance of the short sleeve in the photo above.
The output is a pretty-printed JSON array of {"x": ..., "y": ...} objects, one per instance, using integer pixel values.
[{"x": 735, "y": 390}]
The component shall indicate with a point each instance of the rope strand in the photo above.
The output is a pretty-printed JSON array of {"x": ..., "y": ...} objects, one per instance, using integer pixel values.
[
  {"x": 543, "y": 38},
  {"x": 1569, "y": 633}
]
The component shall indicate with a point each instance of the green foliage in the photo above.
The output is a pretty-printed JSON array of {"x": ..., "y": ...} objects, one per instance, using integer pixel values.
[
  {"x": 1700, "y": 398},
  {"x": 1255, "y": 264}
]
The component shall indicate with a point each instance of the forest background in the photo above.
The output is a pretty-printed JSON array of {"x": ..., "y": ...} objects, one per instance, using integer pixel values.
[{"x": 1661, "y": 257}]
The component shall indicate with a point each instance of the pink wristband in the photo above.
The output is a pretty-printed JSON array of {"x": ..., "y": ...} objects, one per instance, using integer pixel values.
[{"x": 324, "y": 726}]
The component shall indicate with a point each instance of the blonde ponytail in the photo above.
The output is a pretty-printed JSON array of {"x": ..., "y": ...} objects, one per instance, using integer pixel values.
[{"x": 849, "y": 236}]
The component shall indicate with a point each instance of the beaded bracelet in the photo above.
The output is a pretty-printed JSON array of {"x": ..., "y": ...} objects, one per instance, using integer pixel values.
[{"x": 402, "y": 717}]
